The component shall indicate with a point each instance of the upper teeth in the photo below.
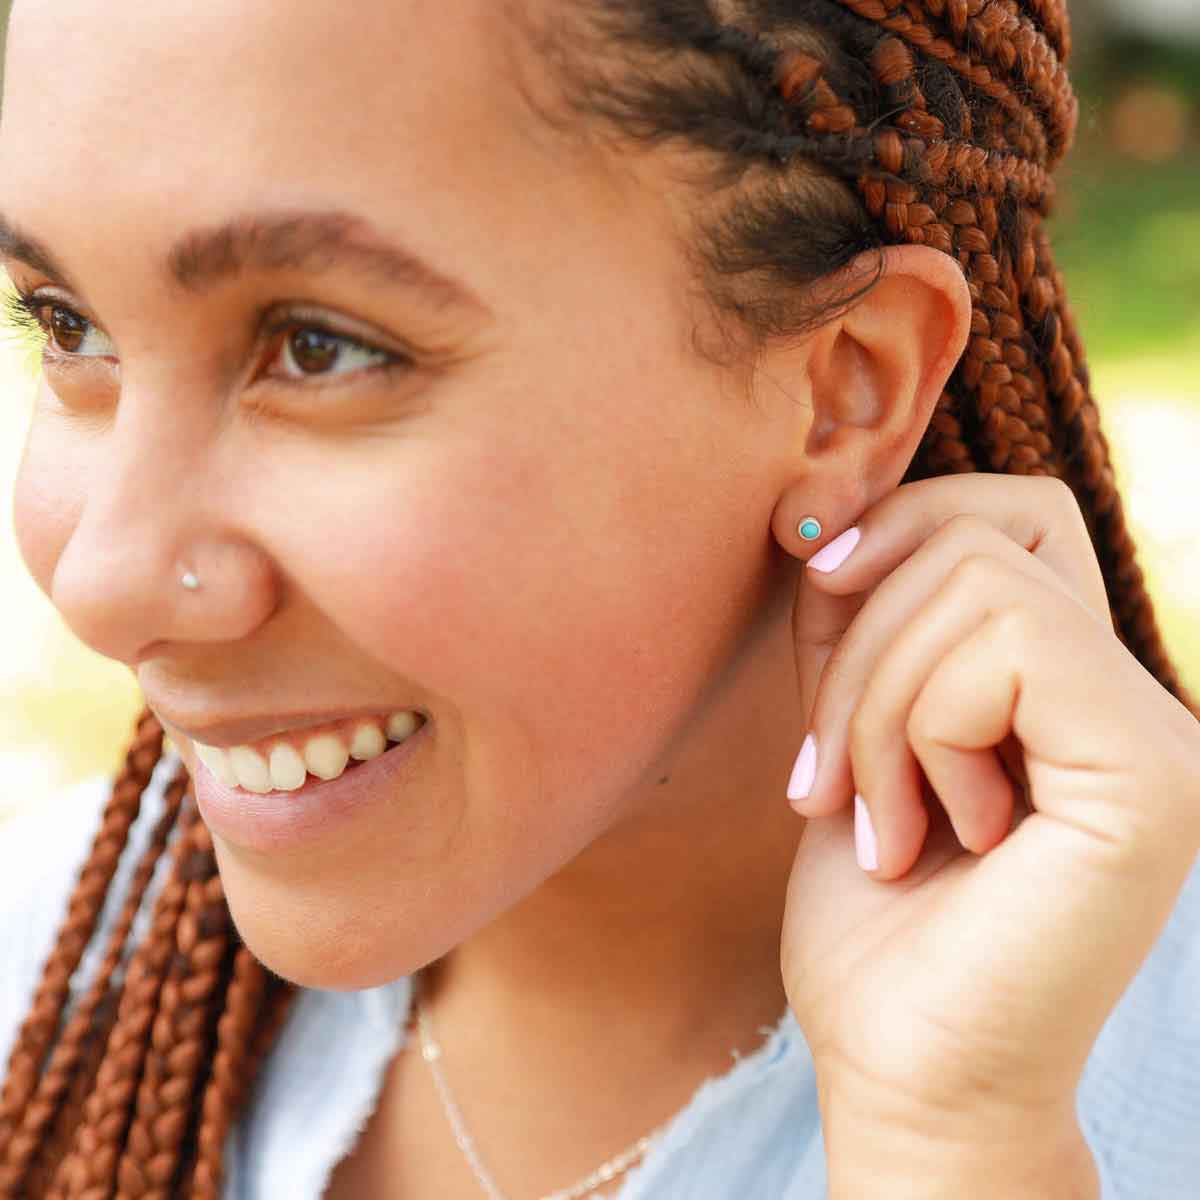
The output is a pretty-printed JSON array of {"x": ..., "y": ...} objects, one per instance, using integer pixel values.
[{"x": 284, "y": 763}]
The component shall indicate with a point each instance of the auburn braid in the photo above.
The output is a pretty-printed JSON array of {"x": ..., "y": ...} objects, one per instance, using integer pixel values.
[
  {"x": 149, "y": 1040},
  {"x": 935, "y": 122},
  {"x": 140, "y": 1055},
  {"x": 37, "y": 1032},
  {"x": 75, "y": 1059}
]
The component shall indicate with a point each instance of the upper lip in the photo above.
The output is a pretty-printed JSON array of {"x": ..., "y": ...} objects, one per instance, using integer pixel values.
[{"x": 246, "y": 730}]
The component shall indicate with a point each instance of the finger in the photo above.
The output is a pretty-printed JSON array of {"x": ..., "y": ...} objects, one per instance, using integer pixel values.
[
  {"x": 1039, "y": 513},
  {"x": 883, "y": 613},
  {"x": 892, "y": 737},
  {"x": 1114, "y": 817}
]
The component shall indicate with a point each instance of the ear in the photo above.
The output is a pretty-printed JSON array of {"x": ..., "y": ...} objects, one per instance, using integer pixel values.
[{"x": 873, "y": 376}]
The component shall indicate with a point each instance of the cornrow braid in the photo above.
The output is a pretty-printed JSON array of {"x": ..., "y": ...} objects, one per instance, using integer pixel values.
[
  {"x": 831, "y": 128},
  {"x": 952, "y": 146}
]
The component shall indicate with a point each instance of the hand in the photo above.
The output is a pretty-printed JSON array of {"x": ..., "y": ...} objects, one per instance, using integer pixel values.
[{"x": 962, "y": 672}]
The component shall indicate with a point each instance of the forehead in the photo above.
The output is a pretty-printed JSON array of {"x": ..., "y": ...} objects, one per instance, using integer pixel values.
[{"x": 148, "y": 110}]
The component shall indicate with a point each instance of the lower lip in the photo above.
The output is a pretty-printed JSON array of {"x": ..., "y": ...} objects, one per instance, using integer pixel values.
[{"x": 279, "y": 820}]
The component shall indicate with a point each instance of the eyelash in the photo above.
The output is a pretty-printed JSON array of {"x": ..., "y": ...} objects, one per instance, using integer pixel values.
[{"x": 22, "y": 313}]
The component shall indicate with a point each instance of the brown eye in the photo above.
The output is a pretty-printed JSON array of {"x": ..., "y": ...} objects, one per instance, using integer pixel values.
[
  {"x": 67, "y": 329},
  {"x": 309, "y": 350},
  {"x": 314, "y": 351}
]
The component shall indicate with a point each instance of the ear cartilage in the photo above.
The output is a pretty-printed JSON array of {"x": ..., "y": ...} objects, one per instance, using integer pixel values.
[{"x": 810, "y": 529}]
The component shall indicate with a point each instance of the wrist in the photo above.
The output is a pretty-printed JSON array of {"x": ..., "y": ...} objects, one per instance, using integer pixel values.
[{"x": 886, "y": 1149}]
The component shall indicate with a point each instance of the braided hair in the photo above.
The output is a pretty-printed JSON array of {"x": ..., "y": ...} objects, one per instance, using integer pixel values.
[{"x": 825, "y": 128}]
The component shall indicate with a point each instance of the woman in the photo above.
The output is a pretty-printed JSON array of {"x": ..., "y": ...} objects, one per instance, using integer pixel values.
[{"x": 485, "y": 396}]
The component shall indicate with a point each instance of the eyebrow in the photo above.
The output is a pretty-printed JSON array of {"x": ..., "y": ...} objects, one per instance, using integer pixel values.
[{"x": 316, "y": 242}]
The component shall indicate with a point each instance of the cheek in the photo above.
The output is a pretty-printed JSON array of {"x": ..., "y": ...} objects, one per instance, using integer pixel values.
[
  {"x": 562, "y": 600},
  {"x": 499, "y": 591},
  {"x": 547, "y": 601},
  {"x": 48, "y": 498},
  {"x": 549, "y": 620}
]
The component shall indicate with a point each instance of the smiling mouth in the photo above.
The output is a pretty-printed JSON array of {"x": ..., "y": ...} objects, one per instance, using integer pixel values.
[{"x": 291, "y": 761}]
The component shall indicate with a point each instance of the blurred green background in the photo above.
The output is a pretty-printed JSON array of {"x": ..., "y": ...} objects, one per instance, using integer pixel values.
[{"x": 1127, "y": 238}]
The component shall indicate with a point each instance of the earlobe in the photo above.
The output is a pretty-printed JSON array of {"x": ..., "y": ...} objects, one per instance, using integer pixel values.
[{"x": 801, "y": 527}]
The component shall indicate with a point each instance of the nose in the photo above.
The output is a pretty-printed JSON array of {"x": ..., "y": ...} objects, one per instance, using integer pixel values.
[{"x": 160, "y": 505}]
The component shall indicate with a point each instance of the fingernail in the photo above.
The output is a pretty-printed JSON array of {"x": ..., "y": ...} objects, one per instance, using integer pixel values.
[
  {"x": 830, "y": 557},
  {"x": 866, "y": 848},
  {"x": 804, "y": 771}
]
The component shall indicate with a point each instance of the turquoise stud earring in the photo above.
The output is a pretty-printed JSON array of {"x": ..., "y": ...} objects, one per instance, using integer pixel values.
[{"x": 810, "y": 529}]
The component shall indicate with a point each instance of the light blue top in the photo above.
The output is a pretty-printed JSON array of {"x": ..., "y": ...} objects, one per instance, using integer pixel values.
[{"x": 752, "y": 1132}]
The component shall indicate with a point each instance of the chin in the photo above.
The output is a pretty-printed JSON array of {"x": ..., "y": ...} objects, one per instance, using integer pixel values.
[
  {"x": 337, "y": 964},
  {"x": 313, "y": 941},
  {"x": 302, "y": 971}
]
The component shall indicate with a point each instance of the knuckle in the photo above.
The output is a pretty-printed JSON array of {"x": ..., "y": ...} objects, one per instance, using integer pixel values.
[
  {"x": 918, "y": 725},
  {"x": 960, "y": 527},
  {"x": 1014, "y": 623},
  {"x": 1061, "y": 502},
  {"x": 974, "y": 571},
  {"x": 1059, "y": 492}
]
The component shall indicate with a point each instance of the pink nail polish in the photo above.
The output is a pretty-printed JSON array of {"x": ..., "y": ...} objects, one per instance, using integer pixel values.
[
  {"x": 866, "y": 848},
  {"x": 804, "y": 771},
  {"x": 830, "y": 557}
]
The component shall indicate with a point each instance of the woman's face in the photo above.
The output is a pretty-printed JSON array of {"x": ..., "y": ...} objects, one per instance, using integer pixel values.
[{"x": 549, "y": 531}]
